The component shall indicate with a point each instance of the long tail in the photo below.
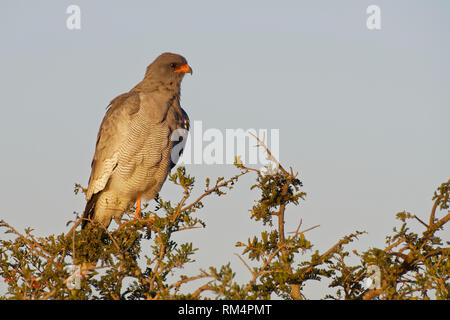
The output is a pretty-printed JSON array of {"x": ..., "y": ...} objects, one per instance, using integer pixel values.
[{"x": 90, "y": 209}]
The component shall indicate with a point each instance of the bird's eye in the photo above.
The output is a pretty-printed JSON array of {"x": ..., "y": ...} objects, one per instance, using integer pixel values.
[{"x": 173, "y": 65}]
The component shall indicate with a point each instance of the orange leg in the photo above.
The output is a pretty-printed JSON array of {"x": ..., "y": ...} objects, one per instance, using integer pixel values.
[{"x": 137, "y": 214}]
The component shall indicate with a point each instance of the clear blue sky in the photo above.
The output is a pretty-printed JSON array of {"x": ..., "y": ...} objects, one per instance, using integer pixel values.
[{"x": 363, "y": 115}]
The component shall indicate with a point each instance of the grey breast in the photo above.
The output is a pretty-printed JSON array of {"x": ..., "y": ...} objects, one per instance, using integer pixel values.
[{"x": 144, "y": 159}]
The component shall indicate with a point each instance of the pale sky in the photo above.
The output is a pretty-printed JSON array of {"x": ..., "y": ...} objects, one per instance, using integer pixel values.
[{"x": 362, "y": 114}]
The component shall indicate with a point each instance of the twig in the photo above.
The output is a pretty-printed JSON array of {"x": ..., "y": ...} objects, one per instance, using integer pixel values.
[
  {"x": 207, "y": 192},
  {"x": 245, "y": 263},
  {"x": 426, "y": 226},
  {"x": 31, "y": 245},
  {"x": 262, "y": 144}
]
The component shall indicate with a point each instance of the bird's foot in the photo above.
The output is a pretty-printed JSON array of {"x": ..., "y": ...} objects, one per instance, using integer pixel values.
[{"x": 137, "y": 214}]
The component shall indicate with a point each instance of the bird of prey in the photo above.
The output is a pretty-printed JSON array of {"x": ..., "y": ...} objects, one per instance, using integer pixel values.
[{"x": 135, "y": 147}]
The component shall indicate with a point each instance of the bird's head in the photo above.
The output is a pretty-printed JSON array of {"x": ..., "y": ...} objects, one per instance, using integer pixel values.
[{"x": 168, "y": 68}]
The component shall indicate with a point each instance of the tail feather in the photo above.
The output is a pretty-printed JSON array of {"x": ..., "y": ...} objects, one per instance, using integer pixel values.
[{"x": 89, "y": 210}]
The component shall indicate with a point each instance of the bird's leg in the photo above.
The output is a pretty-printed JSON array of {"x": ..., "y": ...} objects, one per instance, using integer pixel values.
[{"x": 137, "y": 214}]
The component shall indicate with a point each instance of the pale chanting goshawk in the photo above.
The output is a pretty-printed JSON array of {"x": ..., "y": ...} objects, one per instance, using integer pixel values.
[{"x": 135, "y": 147}]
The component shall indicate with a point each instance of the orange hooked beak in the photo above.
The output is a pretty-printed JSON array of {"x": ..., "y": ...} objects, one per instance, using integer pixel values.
[{"x": 184, "y": 68}]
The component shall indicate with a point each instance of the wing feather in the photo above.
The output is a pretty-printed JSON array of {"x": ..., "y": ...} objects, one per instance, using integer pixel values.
[
  {"x": 112, "y": 134},
  {"x": 179, "y": 137}
]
